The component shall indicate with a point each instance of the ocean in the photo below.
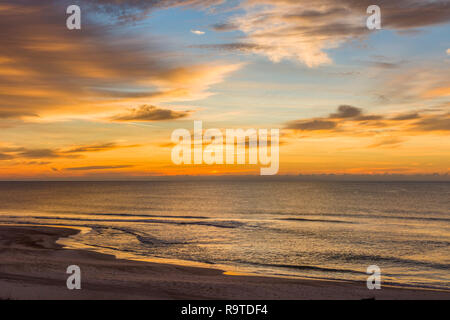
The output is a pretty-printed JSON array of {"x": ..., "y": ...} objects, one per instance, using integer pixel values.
[{"x": 317, "y": 230}]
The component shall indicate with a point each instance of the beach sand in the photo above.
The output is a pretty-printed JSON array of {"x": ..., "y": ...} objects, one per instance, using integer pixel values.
[{"x": 33, "y": 266}]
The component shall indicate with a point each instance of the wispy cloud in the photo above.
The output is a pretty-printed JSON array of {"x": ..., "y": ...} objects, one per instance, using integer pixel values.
[
  {"x": 90, "y": 168},
  {"x": 5, "y": 156},
  {"x": 387, "y": 142},
  {"x": 150, "y": 113},
  {"x": 134, "y": 10},
  {"x": 412, "y": 83},
  {"x": 46, "y": 71},
  {"x": 441, "y": 123},
  {"x": 346, "y": 111},
  {"x": 198, "y": 32},
  {"x": 352, "y": 121},
  {"x": 11, "y": 114},
  {"x": 96, "y": 148},
  {"x": 303, "y": 30},
  {"x": 311, "y": 125},
  {"x": 70, "y": 153}
]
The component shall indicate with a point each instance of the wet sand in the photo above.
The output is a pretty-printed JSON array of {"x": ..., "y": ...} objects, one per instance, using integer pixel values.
[{"x": 33, "y": 266}]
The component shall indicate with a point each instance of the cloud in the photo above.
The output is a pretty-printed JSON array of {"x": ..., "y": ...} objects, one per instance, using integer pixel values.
[
  {"x": 37, "y": 154},
  {"x": 406, "y": 116},
  {"x": 369, "y": 117},
  {"x": 311, "y": 125},
  {"x": 389, "y": 142},
  {"x": 134, "y": 10},
  {"x": 346, "y": 111},
  {"x": 50, "y": 72},
  {"x": 448, "y": 52},
  {"x": 6, "y": 114},
  {"x": 304, "y": 30},
  {"x": 441, "y": 123},
  {"x": 349, "y": 120},
  {"x": 5, "y": 156},
  {"x": 413, "y": 83},
  {"x": 37, "y": 163},
  {"x": 389, "y": 130},
  {"x": 224, "y": 26},
  {"x": 236, "y": 46},
  {"x": 198, "y": 32},
  {"x": 97, "y": 148},
  {"x": 71, "y": 153},
  {"x": 199, "y": 76},
  {"x": 386, "y": 65},
  {"x": 88, "y": 168},
  {"x": 150, "y": 113},
  {"x": 343, "y": 113}
]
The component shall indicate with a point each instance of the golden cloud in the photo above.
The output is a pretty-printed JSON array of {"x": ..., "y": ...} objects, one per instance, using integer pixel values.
[
  {"x": 47, "y": 70},
  {"x": 389, "y": 130}
]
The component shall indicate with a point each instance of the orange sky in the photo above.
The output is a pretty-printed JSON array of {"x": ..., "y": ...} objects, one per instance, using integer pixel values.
[{"x": 103, "y": 101}]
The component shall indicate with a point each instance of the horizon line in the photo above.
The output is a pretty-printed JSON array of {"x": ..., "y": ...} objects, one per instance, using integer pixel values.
[{"x": 386, "y": 177}]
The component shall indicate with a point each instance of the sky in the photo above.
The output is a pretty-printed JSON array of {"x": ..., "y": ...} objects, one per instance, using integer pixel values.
[{"x": 103, "y": 101}]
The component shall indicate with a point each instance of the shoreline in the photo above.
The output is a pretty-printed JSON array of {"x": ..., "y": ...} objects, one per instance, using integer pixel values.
[{"x": 34, "y": 262}]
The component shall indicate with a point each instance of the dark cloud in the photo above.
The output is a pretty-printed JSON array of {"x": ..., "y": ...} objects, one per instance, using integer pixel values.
[
  {"x": 88, "y": 168},
  {"x": 38, "y": 163},
  {"x": 52, "y": 68},
  {"x": 237, "y": 46},
  {"x": 389, "y": 142},
  {"x": 150, "y": 113},
  {"x": 74, "y": 152},
  {"x": 406, "y": 116},
  {"x": 410, "y": 14},
  {"x": 332, "y": 30},
  {"x": 97, "y": 148},
  {"x": 311, "y": 125},
  {"x": 346, "y": 111},
  {"x": 5, "y": 156},
  {"x": 224, "y": 27},
  {"x": 399, "y": 14},
  {"x": 352, "y": 120},
  {"x": 5, "y": 114},
  {"x": 37, "y": 154},
  {"x": 370, "y": 117},
  {"x": 129, "y": 11},
  {"x": 386, "y": 65},
  {"x": 46, "y": 69},
  {"x": 434, "y": 123}
]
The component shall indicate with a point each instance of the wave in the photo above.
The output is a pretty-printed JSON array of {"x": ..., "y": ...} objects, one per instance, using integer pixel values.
[
  {"x": 316, "y": 220},
  {"x": 218, "y": 224},
  {"x": 144, "y": 239},
  {"x": 374, "y": 259},
  {"x": 360, "y": 215},
  {"x": 302, "y": 267},
  {"x": 130, "y": 215}
]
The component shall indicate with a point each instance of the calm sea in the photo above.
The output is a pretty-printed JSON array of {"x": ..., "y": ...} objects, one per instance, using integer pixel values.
[{"x": 331, "y": 230}]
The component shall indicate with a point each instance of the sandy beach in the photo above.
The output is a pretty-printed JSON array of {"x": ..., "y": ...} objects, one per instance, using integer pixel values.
[{"x": 33, "y": 266}]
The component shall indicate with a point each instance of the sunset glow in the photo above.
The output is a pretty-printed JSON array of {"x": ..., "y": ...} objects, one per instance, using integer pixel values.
[{"x": 102, "y": 102}]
